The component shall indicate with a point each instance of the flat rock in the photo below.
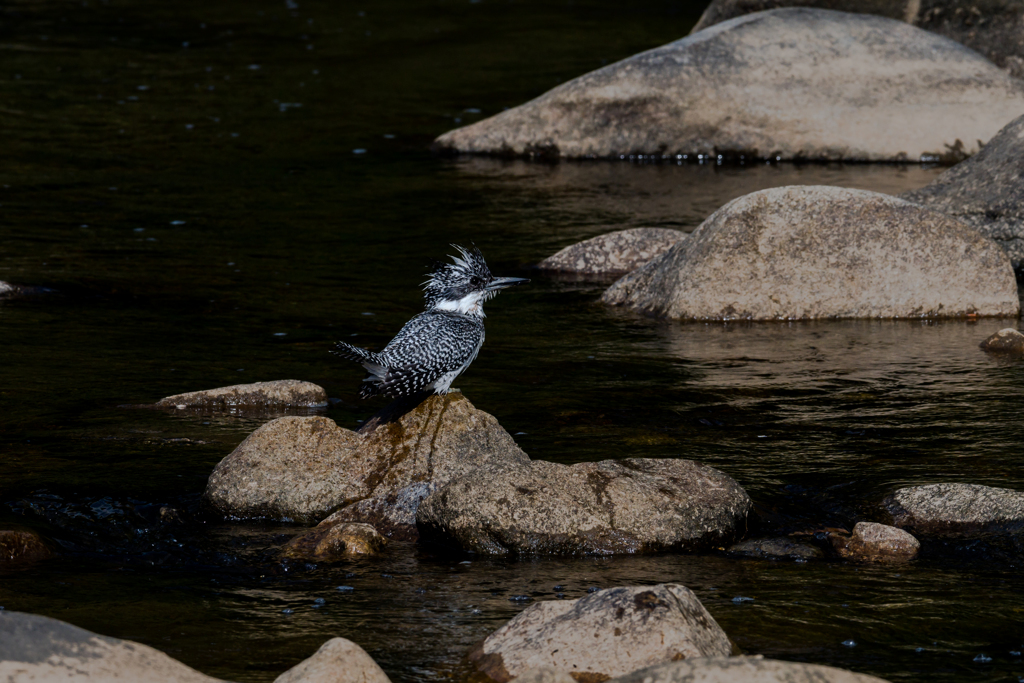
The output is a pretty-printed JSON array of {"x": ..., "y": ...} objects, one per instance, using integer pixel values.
[
  {"x": 21, "y": 547},
  {"x": 606, "y": 634},
  {"x": 794, "y": 83},
  {"x": 775, "y": 549},
  {"x": 957, "y": 510},
  {"x": 279, "y": 393},
  {"x": 875, "y": 542},
  {"x": 986, "y": 191},
  {"x": 636, "y": 505},
  {"x": 339, "y": 541},
  {"x": 304, "y": 468},
  {"x": 337, "y": 661},
  {"x": 746, "y": 669},
  {"x": 811, "y": 252},
  {"x": 614, "y": 253},
  {"x": 1007, "y": 340}
]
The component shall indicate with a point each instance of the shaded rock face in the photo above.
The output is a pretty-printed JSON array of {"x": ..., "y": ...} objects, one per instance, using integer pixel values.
[
  {"x": 615, "y": 506},
  {"x": 986, "y": 191},
  {"x": 392, "y": 514},
  {"x": 746, "y": 669},
  {"x": 331, "y": 542},
  {"x": 876, "y": 542},
  {"x": 1008, "y": 341},
  {"x": 775, "y": 549},
  {"x": 957, "y": 510},
  {"x": 606, "y": 634},
  {"x": 614, "y": 253},
  {"x": 337, "y": 661},
  {"x": 279, "y": 393},
  {"x": 795, "y": 83},
  {"x": 304, "y": 468},
  {"x": 809, "y": 252},
  {"x": 20, "y": 548},
  {"x": 995, "y": 28}
]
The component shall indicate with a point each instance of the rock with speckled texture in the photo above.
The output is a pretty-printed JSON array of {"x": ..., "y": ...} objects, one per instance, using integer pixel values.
[
  {"x": 278, "y": 393},
  {"x": 614, "y": 253},
  {"x": 545, "y": 674},
  {"x": 337, "y": 541},
  {"x": 775, "y": 549},
  {"x": 811, "y": 252},
  {"x": 339, "y": 660},
  {"x": 957, "y": 510},
  {"x": 746, "y": 669},
  {"x": 608, "y": 633},
  {"x": 794, "y": 83},
  {"x": 636, "y": 505},
  {"x": 875, "y": 542},
  {"x": 1007, "y": 340}
]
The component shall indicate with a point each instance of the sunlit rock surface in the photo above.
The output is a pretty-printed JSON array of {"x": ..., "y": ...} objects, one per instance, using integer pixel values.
[
  {"x": 1008, "y": 340},
  {"x": 745, "y": 669},
  {"x": 876, "y": 542},
  {"x": 986, "y": 191},
  {"x": 793, "y": 83},
  {"x": 278, "y": 393},
  {"x": 810, "y": 252},
  {"x": 339, "y": 660},
  {"x": 606, "y": 634},
  {"x": 614, "y": 253},
  {"x": 957, "y": 510},
  {"x": 611, "y": 507}
]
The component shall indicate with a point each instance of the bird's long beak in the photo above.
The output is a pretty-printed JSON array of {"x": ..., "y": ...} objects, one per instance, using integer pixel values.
[{"x": 504, "y": 282}]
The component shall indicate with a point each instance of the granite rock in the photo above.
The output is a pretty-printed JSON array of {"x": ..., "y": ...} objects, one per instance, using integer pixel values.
[
  {"x": 957, "y": 510},
  {"x": 339, "y": 660},
  {"x": 775, "y": 549},
  {"x": 875, "y": 542},
  {"x": 1007, "y": 340},
  {"x": 746, "y": 669},
  {"x": 277, "y": 394},
  {"x": 614, "y": 253}
]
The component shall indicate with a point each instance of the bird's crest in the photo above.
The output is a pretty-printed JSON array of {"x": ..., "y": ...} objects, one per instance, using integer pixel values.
[{"x": 452, "y": 281}]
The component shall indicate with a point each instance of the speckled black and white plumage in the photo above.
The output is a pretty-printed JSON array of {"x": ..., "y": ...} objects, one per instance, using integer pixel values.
[{"x": 436, "y": 346}]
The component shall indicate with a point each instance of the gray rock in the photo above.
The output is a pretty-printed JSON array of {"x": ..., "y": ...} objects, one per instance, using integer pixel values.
[
  {"x": 614, "y": 253},
  {"x": 775, "y": 549},
  {"x": 615, "y": 506},
  {"x": 332, "y": 542},
  {"x": 1007, "y": 340},
  {"x": 957, "y": 510},
  {"x": 605, "y": 634},
  {"x": 279, "y": 393},
  {"x": 746, "y": 669},
  {"x": 304, "y": 468},
  {"x": 545, "y": 674},
  {"x": 875, "y": 542},
  {"x": 793, "y": 83},
  {"x": 986, "y": 191},
  {"x": 21, "y": 548},
  {"x": 995, "y": 28},
  {"x": 337, "y": 661},
  {"x": 798, "y": 253},
  {"x": 392, "y": 514}
]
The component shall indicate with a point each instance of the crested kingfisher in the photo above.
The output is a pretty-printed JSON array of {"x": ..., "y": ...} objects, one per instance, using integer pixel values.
[{"x": 436, "y": 346}]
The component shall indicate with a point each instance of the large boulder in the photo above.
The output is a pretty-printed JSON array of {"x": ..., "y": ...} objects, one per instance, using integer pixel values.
[
  {"x": 793, "y": 83},
  {"x": 614, "y": 253},
  {"x": 615, "y": 506},
  {"x": 277, "y": 394},
  {"x": 746, "y": 669},
  {"x": 798, "y": 253},
  {"x": 986, "y": 191},
  {"x": 605, "y": 634},
  {"x": 957, "y": 510},
  {"x": 304, "y": 468},
  {"x": 995, "y": 28}
]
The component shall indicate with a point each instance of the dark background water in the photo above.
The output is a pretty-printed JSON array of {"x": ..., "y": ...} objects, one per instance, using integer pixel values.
[{"x": 182, "y": 178}]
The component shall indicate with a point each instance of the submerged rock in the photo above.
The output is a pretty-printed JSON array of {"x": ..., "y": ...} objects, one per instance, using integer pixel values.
[
  {"x": 986, "y": 191},
  {"x": 605, "y": 634},
  {"x": 614, "y": 253},
  {"x": 279, "y": 393},
  {"x": 875, "y": 542},
  {"x": 808, "y": 252},
  {"x": 615, "y": 506},
  {"x": 1007, "y": 340},
  {"x": 775, "y": 549},
  {"x": 338, "y": 541},
  {"x": 957, "y": 510},
  {"x": 304, "y": 468},
  {"x": 794, "y": 83},
  {"x": 339, "y": 660},
  {"x": 21, "y": 547},
  {"x": 747, "y": 669}
]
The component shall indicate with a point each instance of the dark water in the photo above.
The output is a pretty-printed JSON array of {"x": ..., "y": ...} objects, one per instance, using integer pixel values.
[{"x": 196, "y": 228}]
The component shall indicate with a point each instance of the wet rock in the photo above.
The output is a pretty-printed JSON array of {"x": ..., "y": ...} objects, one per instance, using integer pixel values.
[
  {"x": 995, "y": 29},
  {"x": 338, "y": 541},
  {"x": 986, "y": 191},
  {"x": 957, "y": 510},
  {"x": 304, "y": 468},
  {"x": 614, "y": 253},
  {"x": 279, "y": 393},
  {"x": 775, "y": 549},
  {"x": 615, "y": 506},
  {"x": 798, "y": 253},
  {"x": 875, "y": 542},
  {"x": 35, "y": 648},
  {"x": 21, "y": 547},
  {"x": 392, "y": 514},
  {"x": 337, "y": 661},
  {"x": 1007, "y": 340},
  {"x": 605, "y": 634},
  {"x": 747, "y": 669},
  {"x": 545, "y": 674},
  {"x": 794, "y": 83},
  {"x": 8, "y": 290}
]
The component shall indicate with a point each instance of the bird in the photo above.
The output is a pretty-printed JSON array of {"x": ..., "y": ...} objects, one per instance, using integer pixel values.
[{"x": 436, "y": 346}]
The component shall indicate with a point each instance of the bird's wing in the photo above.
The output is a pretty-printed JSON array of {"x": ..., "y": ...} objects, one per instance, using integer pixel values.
[{"x": 429, "y": 346}]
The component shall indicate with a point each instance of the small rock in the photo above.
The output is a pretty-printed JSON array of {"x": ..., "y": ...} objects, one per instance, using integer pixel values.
[
  {"x": 775, "y": 548},
  {"x": 614, "y": 253},
  {"x": 878, "y": 542},
  {"x": 335, "y": 542},
  {"x": 605, "y": 634},
  {"x": 21, "y": 547},
  {"x": 279, "y": 393},
  {"x": 957, "y": 510},
  {"x": 747, "y": 669},
  {"x": 337, "y": 661},
  {"x": 812, "y": 252},
  {"x": 1007, "y": 340},
  {"x": 8, "y": 290}
]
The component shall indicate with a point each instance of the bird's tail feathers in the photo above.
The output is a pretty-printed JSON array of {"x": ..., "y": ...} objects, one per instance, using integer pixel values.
[{"x": 368, "y": 359}]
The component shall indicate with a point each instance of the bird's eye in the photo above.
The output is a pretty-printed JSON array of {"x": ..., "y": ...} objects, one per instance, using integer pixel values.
[{"x": 476, "y": 282}]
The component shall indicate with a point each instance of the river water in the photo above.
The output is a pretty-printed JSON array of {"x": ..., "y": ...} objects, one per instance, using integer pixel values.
[{"x": 183, "y": 183}]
